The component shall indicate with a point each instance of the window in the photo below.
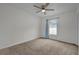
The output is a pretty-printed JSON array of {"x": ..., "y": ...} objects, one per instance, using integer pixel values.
[{"x": 52, "y": 27}]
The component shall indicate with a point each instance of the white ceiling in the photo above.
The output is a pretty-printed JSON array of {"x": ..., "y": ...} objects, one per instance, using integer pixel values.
[{"x": 59, "y": 7}]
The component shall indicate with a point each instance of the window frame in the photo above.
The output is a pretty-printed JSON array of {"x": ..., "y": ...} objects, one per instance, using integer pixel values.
[{"x": 57, "y": 18}]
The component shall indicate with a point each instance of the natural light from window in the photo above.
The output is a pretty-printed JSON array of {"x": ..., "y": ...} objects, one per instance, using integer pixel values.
[{"x": 52, "y": 27}]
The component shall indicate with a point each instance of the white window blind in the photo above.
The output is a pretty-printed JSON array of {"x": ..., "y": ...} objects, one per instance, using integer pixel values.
[{"x": 52, "y": 27}]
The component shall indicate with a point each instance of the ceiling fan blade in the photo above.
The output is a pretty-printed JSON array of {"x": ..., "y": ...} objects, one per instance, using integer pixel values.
[
  {"x": 49, "y": 9},
  {"x": 37, "y": 7},
  {"x": 38, "y": 11},
  {"x": 46, "y": 5},
  {"x": 44, "y": 13}
]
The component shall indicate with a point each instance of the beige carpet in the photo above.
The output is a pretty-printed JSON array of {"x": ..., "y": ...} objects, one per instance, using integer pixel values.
[{"x": 41, "y": 47}]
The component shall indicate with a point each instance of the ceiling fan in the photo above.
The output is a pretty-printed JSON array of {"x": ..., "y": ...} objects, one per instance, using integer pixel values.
[{"x": 43, "y": 8}]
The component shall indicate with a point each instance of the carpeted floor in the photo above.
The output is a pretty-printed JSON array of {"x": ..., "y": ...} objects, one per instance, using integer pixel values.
[{"x": 41, "y": 47}]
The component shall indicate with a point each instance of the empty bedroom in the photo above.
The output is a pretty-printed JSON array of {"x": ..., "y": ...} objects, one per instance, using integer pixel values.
[{"x": 39, "y": 28}]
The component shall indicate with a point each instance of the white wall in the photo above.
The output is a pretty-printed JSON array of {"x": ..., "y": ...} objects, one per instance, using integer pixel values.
[
  {"x": 67, "y": 27},
  {"x": 78, "y": 28},
  {"x": 78, "y": 22},
  {"x": 17, "y": 26}
]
